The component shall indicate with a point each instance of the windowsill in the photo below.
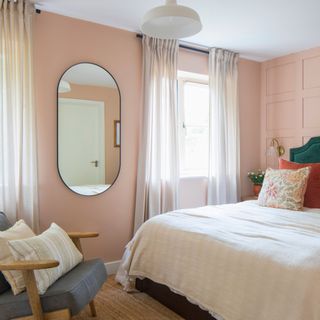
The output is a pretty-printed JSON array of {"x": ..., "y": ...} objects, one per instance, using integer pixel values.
[{"x": 193, "y": 177}]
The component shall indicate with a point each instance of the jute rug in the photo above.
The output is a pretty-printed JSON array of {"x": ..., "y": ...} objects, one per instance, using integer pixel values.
[{"x": 113, "y": 303}]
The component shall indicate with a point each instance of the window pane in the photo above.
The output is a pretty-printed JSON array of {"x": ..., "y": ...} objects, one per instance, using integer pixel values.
[
  {"x": 196, "y": 150},
  {"x": 194, "y": 110},
  {"x": 196, "y": 103}
]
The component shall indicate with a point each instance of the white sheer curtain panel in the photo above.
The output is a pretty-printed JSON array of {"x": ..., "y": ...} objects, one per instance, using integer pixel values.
[
  {"x": 158, "y": 168},
  {"x": 18, "y": 152},
  {"x": 224, "y": 157}
]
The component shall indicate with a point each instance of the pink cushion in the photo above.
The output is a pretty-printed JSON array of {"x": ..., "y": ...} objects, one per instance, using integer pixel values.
[{"x": 312, "y": 195}]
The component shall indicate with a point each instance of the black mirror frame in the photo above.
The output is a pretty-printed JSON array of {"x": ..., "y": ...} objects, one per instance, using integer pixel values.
[{"x": 57, "y": 126}]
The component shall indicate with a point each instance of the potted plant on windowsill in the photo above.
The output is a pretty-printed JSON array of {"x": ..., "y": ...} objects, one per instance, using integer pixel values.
[{"x": 256, "y": 178}]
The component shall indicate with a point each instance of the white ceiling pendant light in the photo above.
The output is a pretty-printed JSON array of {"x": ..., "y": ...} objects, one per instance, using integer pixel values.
[
  {"x": 171, "y": 21},
  {"x": 64, "y": 86}
]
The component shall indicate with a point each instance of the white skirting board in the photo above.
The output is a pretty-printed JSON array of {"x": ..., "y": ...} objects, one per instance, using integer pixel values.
[{"x": 112, "y": 267}]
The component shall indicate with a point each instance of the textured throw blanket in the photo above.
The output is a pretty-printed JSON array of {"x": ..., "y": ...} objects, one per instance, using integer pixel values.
[{"x": 239, "y": 262}]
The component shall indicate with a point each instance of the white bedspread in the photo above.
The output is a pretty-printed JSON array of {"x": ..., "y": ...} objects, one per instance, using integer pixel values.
[{"x": 239, "y": 262}]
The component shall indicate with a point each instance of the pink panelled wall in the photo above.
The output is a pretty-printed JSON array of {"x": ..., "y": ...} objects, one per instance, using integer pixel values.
[
  {"x": 290, "y": 101},
  {"x": 61, "y": 42}
]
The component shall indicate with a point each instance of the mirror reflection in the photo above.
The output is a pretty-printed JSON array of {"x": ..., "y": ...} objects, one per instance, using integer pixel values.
[{"x": 88, "y": 129}]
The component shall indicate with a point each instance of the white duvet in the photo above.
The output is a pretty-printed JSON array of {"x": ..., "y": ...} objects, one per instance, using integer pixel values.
[{"x": 239, "y": 262}]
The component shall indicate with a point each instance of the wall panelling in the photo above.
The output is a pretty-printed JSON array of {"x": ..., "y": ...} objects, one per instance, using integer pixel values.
[{"x": 290, "y": 101}]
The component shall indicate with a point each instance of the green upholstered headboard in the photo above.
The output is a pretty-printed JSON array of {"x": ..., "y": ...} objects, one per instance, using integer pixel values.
[{"x": 309, "y": 153}]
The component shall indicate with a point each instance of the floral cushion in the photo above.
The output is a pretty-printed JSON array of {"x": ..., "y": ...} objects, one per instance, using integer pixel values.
[{"x": 284, "y": 189}]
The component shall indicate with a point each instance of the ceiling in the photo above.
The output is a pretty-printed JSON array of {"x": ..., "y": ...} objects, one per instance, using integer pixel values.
[{"x": 257, "y": 29}]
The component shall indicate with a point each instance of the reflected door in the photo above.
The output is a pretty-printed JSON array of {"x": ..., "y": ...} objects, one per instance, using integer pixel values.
[{"x": 81, "y": 142}]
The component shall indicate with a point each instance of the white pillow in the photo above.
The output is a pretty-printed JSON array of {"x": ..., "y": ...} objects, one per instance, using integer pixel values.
[
  {"x": 52, "y": 244},
  {"x": 20, "y": 230}
]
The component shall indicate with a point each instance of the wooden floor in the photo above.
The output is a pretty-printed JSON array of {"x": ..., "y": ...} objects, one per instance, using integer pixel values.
[{"x": 114, "y": 304}]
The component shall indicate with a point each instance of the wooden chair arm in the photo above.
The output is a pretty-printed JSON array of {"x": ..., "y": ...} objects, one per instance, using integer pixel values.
[
  {"x": 76, "y": 236},
  {"x": 29, "y": 265},
  {"x": 27, "y": 268},
  {"x": 82, "y": 235}
]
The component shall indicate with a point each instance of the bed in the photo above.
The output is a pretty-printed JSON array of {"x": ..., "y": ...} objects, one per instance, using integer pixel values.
[{"x": 231, "y": 262}]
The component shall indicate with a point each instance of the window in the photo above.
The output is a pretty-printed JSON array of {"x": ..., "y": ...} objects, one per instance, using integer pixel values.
[{"x": 194, "y": 124}]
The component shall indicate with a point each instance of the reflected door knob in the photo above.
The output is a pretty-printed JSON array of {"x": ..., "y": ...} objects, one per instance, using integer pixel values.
[{"x": 95, "y": 162}]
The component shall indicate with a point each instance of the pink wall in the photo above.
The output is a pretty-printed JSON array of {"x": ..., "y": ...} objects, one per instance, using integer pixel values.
[
  {"x": 290, "y": 101},
  {"x": 249, "y": 102},
  {"x": 61, "y": 42},
  {"x": 193, "y": 62}
]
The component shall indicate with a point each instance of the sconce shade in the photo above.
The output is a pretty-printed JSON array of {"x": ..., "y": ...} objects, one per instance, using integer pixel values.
[
  {"x": 171, "y": 21},
  {"x": 272, "y": 152},
  {"x": 275, "y": 149}
]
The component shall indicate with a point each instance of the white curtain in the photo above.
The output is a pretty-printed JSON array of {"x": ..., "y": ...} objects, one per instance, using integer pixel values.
[
  {"x": 158, "y": 168},
  {"x": 224, "y": 157},
  {"x": 18, "y": 162}
]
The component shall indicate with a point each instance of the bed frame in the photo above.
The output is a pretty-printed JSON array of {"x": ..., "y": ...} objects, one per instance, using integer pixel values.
[
  {"x": 309, "y": 153},
  {"x": 177, "y": 303}
]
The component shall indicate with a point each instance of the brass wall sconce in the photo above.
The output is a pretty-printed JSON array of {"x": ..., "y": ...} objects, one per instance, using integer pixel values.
[{"x": 275, "y": 149}]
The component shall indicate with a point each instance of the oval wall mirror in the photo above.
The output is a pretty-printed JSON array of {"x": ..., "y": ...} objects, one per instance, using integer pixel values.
[{"x": 88, "y": 129}]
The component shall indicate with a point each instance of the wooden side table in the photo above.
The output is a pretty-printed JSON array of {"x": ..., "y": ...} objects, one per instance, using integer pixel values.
[{"x": 251, "y": 197}]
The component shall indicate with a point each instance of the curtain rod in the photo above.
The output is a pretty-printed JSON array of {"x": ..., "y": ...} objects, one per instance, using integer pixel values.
[
  {"x": 184, "y": 46},
  {"x": 38, "y": 11}
]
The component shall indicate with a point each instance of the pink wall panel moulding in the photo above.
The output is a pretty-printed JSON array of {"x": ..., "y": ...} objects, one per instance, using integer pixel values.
[
  {"x": 281, "y": 79},
  {"x": 311, "y": 72},
  {"x": 290, "y": 101}
]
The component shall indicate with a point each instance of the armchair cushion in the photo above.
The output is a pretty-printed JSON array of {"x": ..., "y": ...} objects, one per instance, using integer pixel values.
[
  {"x": 4, "y": 222},
  {"x": 19, "y": 230},
  {"x": 73, "y": 291},
  {"x": 4, "y": 225},
  {"x": 4, "y": 285},
  {"x": 52, "y": 244}
]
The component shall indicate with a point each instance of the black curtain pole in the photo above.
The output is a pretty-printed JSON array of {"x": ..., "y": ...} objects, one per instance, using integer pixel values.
[
  {"x": 184, "y": 46},
  {"x": 38, "y": 11}
]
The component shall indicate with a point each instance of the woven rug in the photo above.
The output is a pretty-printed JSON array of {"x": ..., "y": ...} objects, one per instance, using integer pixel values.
[{"x": 113, "y": 303}]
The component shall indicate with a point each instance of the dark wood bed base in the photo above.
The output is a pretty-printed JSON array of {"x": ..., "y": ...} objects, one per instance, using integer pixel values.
[{"x": 173, "y": 301}]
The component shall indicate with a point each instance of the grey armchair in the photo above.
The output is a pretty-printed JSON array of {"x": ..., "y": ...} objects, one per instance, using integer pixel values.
[{"x": 65, "y": 298}]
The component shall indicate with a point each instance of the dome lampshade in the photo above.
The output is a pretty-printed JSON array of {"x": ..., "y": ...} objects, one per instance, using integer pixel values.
[{"x": 171, "y": 21}]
